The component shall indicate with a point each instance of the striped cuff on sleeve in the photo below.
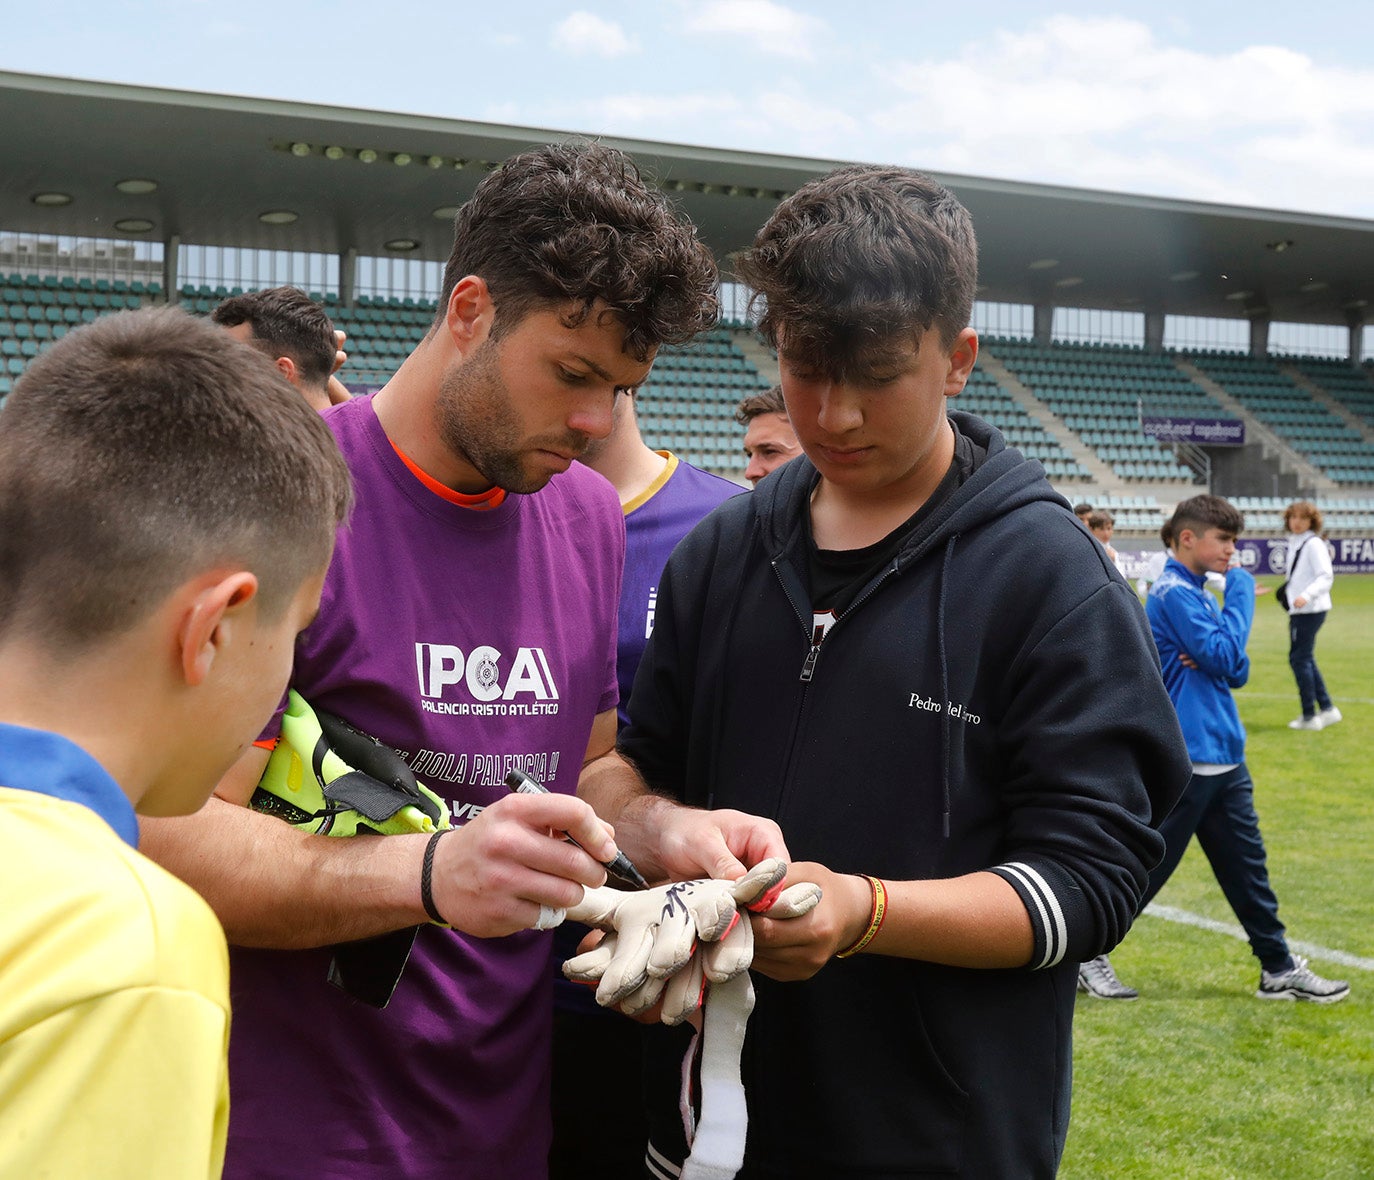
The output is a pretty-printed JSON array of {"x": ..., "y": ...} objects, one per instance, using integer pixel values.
[{"x": 1046, "y": 914}]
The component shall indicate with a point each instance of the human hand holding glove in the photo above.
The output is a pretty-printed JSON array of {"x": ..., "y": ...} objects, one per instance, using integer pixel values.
[{"x": 672, "y": 940}]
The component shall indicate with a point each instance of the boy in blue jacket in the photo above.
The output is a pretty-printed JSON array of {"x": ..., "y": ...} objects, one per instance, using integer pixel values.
[{"x": 1202, "y": 652}]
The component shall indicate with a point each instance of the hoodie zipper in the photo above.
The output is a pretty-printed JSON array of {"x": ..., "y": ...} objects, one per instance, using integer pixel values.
[{"x": 814, "y": 651}]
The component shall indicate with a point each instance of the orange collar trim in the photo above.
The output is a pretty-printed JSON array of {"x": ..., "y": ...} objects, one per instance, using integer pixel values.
[{"x": 481, "y": 502}]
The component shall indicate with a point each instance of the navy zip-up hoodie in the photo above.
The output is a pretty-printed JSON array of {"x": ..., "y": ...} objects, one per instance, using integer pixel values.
[{"x": 991, "y": 701}]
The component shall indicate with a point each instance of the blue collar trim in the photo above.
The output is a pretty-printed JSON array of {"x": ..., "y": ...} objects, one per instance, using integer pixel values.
[{"x": 48, "y": 764}]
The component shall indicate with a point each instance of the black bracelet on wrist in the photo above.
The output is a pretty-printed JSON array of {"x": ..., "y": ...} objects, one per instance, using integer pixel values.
[{"x": 426, "y": 884}]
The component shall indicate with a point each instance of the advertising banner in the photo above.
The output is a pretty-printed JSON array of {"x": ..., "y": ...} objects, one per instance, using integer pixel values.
[
  {"x": 1205, "y": 432},
  {"x": 1261, "y": 555}
]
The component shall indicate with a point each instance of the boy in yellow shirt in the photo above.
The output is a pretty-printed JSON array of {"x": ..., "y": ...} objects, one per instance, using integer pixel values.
[{"x": 167, "y": 510}]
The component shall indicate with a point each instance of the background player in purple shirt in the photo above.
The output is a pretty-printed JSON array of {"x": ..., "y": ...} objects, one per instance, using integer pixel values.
[
  {"x": 469, "y": 621},
  {"x": 662, "y": 498}
]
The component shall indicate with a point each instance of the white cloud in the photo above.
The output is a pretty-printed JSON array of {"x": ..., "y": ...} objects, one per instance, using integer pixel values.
[
  {"x": 1102, "y": 102},
  {"x": 668, "y": 115},
  {"x": 768, "y": 27},
  {"x": 802, "y": 114},
  {"x": 501, "y": 112},
  {"x": 586, "y": 33}
]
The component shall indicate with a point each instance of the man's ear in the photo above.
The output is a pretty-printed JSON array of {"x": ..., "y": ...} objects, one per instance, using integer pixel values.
[
  {"x": 962, "y": 357},
  {"x": 208, "y": 621},
  {"x": 288, "y": 369},
  {"x": 470, "y": 313}
]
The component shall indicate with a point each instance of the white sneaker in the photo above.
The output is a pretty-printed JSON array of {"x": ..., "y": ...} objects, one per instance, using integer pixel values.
[
  {"x": 1300, "y": 982},
  {"x": 1096, "y": 978},
  {"x": 1329, "y": 716},
  {"x": 1314, "y": 722}
]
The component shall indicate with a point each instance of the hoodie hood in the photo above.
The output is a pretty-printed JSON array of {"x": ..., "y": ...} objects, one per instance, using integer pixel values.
[{"x": 1003, "y": 482}]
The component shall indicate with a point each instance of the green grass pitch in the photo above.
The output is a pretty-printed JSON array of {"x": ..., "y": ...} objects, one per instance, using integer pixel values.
[{"x": 1198, "y": 1079}]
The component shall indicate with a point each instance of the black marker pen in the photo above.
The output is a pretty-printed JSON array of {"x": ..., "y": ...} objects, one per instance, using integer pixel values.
[{"x": 619, "y": 866}]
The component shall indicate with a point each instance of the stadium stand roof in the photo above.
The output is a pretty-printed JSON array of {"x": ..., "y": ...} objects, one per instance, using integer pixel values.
[{"x": 220, "y": 162}]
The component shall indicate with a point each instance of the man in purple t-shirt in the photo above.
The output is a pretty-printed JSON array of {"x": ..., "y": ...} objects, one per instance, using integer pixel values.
[{"x": 468, "y": 620}]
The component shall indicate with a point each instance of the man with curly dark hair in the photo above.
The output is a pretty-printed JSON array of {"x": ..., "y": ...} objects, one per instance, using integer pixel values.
[{"x": 469, "y": 621}]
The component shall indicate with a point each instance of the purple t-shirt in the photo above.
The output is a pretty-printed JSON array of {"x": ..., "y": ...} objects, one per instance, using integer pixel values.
[
  {"x": 654, "y": 523},
  {"x": 474, "y": 642}
]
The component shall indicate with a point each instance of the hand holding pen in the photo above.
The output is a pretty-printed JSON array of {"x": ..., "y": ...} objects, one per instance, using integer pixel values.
[{"x": 618, "y": 866}]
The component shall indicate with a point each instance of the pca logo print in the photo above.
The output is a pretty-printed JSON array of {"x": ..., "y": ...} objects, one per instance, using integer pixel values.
[{"x": 483, "y": 681}]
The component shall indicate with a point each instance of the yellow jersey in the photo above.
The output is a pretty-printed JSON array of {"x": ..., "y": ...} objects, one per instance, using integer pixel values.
[{"x": 114, "y": 996}]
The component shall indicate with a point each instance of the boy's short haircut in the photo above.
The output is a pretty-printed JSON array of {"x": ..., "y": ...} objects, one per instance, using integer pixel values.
[
  {"x": 1202, "y": 513},
  {"x": 860, "y": 258},
  {"x": 1100, "y": 518},
  {"x": 142, "y": 449},
  {"x": 575, "y": 223},
  {"x": 768, "y": 402},
  {"x": 285, "y": 322},
  {"x": 1083, "y": 509},
  {"x": 1304, "y": 508}
]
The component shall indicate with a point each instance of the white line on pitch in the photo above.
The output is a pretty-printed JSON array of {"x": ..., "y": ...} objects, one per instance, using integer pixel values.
[
  {"x": 1172, "y": 914},
  {"x": 1283, "y": 696}
]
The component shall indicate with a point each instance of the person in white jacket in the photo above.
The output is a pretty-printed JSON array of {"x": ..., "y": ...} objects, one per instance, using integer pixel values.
[{"x": 1309, "y": 599}]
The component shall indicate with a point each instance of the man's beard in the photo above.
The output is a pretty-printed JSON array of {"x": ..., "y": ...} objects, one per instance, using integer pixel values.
[{"x": 477, "y": 422}]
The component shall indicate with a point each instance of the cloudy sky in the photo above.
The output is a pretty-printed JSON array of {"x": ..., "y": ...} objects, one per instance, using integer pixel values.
[{"x": 1272, "y": 108}]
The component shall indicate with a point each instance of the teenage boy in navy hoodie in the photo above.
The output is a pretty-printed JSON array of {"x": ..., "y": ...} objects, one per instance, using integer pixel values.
[{"x": 892, "y": 648}]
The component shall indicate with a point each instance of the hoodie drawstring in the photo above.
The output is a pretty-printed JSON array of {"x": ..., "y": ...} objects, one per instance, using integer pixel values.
[{"x": 944, "y": 683}]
